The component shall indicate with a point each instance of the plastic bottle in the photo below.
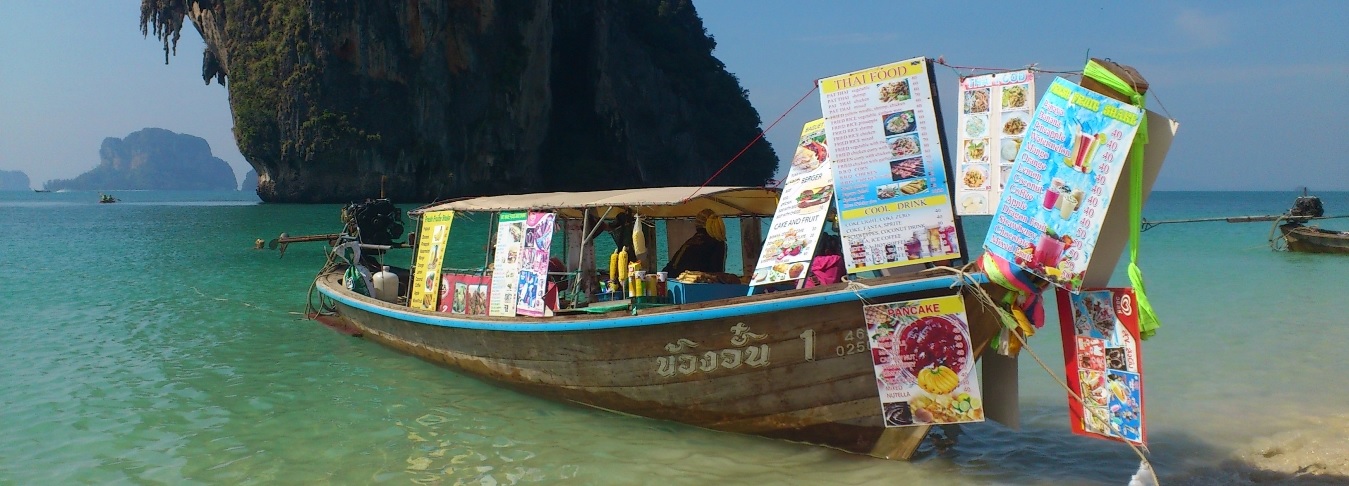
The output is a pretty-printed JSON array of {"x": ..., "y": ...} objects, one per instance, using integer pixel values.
[{"x": 386, "y": 285}]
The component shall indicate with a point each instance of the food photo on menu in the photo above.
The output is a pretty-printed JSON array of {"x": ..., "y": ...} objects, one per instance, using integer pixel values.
[
  {"x": 907, "y": 168},
  {"x": 887, "y": 191},
  {"x": 976, "y": 126},
  {"x": 1007, "y": 150},
  {"x": 895, "y": 91},
  {"x": 975, "y": 177},
  {"x": 972, "y": 203},
  {"x": 899, "y": 123},
  {"x": 913, "y": 187},
  {"x": 1014, "y": 123},
  {"x": 1015, "y": 96},
  {"x": 810, "y": 155},
  {"x": 905, "y": 145},
  {"x": 976, "y": 101},
  {"x": 813, "y": 199},
  {"x": 976, "y": 150}
]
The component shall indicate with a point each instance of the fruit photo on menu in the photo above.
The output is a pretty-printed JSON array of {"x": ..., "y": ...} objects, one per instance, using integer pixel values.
[{"x": 924, "y": 358}]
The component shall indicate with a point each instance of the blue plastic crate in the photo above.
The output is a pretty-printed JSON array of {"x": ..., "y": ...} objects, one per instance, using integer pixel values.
[{"x": 686, "y": 293}]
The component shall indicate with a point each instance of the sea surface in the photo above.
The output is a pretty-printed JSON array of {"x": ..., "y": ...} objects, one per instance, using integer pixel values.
[{"x": 148, "y": 342}]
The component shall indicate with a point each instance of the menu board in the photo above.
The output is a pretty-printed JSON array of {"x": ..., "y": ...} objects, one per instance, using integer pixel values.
[
  {"x": 889, "y": 167},
  {"x": 994, "y": 116},
  {"x": 464, "y": 294},
  {"x": 1065, "y": 172},
  {"x": 506, "y": 264},
  {"x": 534, "y": 264},
  {"x": 924, "y": 362},
  {"x": 1104, "y": 363},
  {"x": 801, "y": 211},
  {"x": 431, "y": 238}
]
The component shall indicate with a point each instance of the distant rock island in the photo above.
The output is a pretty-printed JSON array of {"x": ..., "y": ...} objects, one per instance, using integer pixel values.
[
  {"x": 13, "y": 180},
  {"x": 155, "y": 159},
  {"x": 250, "y": 182}
]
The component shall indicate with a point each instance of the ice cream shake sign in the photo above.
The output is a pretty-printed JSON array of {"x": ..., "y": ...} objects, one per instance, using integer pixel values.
[{"x": 1065, "y": 171}]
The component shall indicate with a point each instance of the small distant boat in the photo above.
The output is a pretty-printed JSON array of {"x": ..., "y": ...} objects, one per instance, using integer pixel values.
[
  {"x": 106, "y": 199},
  {"x": 1312, "y": 239},
  {"x": 40, "y": 190},
  {"x": 1300, "y": 237},
  {"x": 1290, "y": 231}
]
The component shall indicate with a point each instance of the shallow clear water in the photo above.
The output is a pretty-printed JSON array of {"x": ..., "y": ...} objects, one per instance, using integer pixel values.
[{"x": 147, "y": 341}]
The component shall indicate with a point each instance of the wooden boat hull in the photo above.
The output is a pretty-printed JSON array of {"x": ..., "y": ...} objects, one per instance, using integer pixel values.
[
  {"x": 1308, "y": 239},
  {"x": 791, "y": 365}
]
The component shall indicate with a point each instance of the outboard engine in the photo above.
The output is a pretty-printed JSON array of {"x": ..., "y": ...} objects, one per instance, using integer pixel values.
[
  {"x": 1307, "y": 206},
  {"x": 376, "y": 221}
]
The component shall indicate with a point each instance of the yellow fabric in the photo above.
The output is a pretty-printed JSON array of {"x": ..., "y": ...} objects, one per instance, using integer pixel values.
[
  {"x": 709, "y": 221},
  {"x": 716, "y": 228}
]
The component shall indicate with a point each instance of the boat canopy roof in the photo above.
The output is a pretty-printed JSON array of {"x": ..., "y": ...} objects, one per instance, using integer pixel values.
[{"x": 652, "y": 202}]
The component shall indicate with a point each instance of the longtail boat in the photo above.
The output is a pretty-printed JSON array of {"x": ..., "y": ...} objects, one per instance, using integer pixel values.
[
  {"x": 1295, "y": 234},
  {"x": 793, "y": 364},
  {"x": 1312, "y": 239}
]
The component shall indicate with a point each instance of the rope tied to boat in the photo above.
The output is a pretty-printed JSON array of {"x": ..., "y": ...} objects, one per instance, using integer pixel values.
[
  {"x": 1280, "y": 242},
  {"x": 752, "y": 142},
  {"x": 240, "y": 302},
  {"x": 324, "y": 307}
]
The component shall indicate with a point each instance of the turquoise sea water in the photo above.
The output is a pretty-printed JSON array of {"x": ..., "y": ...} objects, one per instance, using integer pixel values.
[{"x": 148, "y": 342}]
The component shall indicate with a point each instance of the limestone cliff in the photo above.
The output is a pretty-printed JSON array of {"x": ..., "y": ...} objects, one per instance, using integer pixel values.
[
  {"x": 447, "y": 98},
  {"x": 155, "y": 159}
]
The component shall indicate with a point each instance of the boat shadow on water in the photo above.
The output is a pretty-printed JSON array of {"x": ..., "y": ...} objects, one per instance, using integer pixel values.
[{"x": 1313, "y": 454}]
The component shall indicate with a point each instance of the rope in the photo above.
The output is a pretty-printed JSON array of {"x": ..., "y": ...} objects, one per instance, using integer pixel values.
[
  {"x": 1158, "y": 99},
  {"x": 756, "y": 139},
  {"x": 855, "y": 286},
  {"x": 1275, "y": 242},
  {"x": 941, "y": 60},
  {"x": 1141, "y": 451},
  {"x": 245, "y": 304},
  {"x": 323, "y": 308}
]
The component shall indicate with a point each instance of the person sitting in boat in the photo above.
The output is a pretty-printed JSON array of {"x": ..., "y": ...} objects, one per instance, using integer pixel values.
[
  {"x": 705, "y": 251},
  {"x": 827, "y": 266}
]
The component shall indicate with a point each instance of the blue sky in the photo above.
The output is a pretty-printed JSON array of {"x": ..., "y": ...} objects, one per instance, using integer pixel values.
[{"x": 1260, "y": 88}]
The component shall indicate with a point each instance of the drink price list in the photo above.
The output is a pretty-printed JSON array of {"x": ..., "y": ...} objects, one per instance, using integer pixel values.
[{"x": 1065, "y": 172}]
